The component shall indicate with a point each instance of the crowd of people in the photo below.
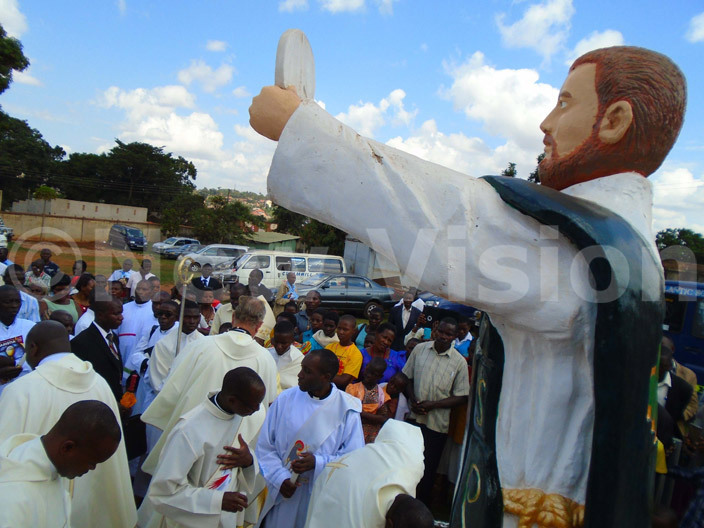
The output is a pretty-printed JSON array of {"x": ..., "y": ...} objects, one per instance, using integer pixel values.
[{"x": 232, "y": 416}]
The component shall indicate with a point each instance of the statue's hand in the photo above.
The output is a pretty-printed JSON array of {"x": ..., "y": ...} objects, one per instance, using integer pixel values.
[{"x": 271, "y": 110}]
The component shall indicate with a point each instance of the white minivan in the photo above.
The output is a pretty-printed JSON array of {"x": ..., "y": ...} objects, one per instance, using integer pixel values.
[{"x": 276, "y": 264}]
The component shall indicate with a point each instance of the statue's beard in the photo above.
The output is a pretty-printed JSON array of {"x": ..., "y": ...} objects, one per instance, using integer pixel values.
[{"x": 560, "y": 172}]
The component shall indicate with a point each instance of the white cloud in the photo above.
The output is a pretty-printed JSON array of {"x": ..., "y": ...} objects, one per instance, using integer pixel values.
[
  {"x": 203, "y": 74},
  {"x": 596, "y": 40},
  {"x": 544, "y": 27},
  {"x": 341, "y": 6},
  {"x": 424, "y": 47},
  {"x": 289, "y": 6},
  {"x": 509, "y": 103},
  {"x": 469, "y": 155},
  {"x": 695, "y": 33},
  {"x": 216, "y": 45},
  {"x": 241, "y": 91},
  {"x": 24, "y": 77},
  {"x": 678, "y": 199},
  {"x": 367, "y": 118},
  {"x": 122, "y": 6},
  {"x": 386, "y": 7},
  {"x": 141, "y": 103},
  {"x": 12, "y": 19}
]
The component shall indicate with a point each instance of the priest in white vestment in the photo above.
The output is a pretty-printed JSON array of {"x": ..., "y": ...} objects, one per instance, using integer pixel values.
[
  {"x": 33, "y": 404},
  {"x": 287, "y": 357},
  {"x": 34, "y": 485},
  {"x": 306, "y": 428},
  {"x": 137, "y": 318},
  {"x": 368, "y": 481},
  {"x": 196, "y": 483},
  {"x": 199, "y": 369}
]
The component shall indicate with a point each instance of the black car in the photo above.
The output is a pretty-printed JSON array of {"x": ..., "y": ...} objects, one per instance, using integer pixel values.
[
  {"x": 126, "y": 237},
  {"x": 437, "y": 308},
  {"x": 348, "y": 293}
]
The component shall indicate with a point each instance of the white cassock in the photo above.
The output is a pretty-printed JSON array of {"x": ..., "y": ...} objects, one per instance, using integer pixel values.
[
  {"x": 135, "y": 318},
  {"x": 34, "y": 403},
  {"x": 32, "y": 493},
  {"x": 288, "y": 421},
  {"x": 453, "y": 235},
  {"x": 164, "y": 354},
  {"x": 185, "y": 490},
  {"x": 142, "y": 350},
  {"x": 368, "y": 480},
  {"x": 288, "y": 365},
  {"x": 200, "y": 369}
]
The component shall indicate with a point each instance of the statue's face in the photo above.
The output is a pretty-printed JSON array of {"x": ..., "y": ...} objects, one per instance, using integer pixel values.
[{"x": 570, "y": 125}]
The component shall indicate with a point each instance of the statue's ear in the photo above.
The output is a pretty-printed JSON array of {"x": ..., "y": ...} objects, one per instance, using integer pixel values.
[{"x": 616, "y": 122}]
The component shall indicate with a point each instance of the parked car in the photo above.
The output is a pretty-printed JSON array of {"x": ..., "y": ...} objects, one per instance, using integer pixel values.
[
  {"x": 127, "y": 237},
  {"x": 175, "y": 252},
  {"x": 3, "y": 240},
  {"x": 348, "y": 293},
  {"x": 6, "y": 231},
  {"x": 437, "y": 308},
  {"x": 172, "y": 242},
  {"x": 274, "y": 266},
  {"x": 214, "y": 254}
]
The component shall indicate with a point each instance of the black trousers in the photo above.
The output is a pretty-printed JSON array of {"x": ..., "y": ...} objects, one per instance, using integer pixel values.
[{"x": 434, "y": 446}]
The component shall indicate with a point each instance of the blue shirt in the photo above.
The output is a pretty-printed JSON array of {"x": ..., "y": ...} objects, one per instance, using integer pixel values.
[{"x": 394, "y": 363}]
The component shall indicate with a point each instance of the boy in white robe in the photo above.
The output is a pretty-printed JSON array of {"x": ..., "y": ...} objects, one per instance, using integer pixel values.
[
  {"x": 33, "y": 404},
  {"x": 306, "y": 427},
  {"x": 287, "y": 357},
  {"x": 372, "y": 480},
  {"x": 199, "y": 369},
  {"x": 34, "y": 490},
  {"x": 195, "y": 483}
]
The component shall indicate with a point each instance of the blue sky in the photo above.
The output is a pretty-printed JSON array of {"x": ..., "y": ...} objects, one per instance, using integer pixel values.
[{"x": 465, "y": 84}]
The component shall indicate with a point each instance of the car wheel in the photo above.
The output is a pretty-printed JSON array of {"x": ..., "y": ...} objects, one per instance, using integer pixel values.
[
  {"x": 371, "y": 305},
  {"x": 195, "y": 267}
]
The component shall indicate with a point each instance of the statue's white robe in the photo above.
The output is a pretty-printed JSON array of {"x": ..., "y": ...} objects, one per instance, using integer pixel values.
[
  {"x": 453, "y": 235},
  {"x": 368, "y": 480},
  {"x": 34, "y": 403}
]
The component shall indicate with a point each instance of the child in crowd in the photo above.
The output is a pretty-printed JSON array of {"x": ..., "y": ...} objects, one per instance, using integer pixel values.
[
  {"x": 316, "y": 325},
  {"x": 373, "y": 397},
  {"x": 464, "y": 338},
  {"x": 397, "y": 404},
  {"x": 327, "y": 333},
  {"x": 225, "y": 327},
  {"x": 347, "y": 353},
  {"x": 410, "y": 345}
]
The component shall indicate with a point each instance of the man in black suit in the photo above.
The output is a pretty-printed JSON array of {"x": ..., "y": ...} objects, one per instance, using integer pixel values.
[
  {"x": 98, "y": 343},
  {"x": 206, "y": 281},
  {"x": 674, "y": 392},
  {"x": 404, "y": 318}
]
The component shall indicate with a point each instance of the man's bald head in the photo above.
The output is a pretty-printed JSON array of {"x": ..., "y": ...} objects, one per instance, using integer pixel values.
[
  {"x": 669, "y": 344},
  {"x": 407, "y": 512},
  {"x": 86, "y": 435},
  {"x": 161, "y": 296},
  {"x": 44, "y": 339}
]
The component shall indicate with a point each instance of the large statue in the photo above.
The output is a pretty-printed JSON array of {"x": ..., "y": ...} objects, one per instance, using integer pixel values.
[{"x": 560, "y": 432}]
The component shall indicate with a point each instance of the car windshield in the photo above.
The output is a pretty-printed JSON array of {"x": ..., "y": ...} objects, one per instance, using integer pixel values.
[
  {"x": 134, "y": 232},
  {"x": 169, "y": 240},
  {"x": 314, "y": 279}
]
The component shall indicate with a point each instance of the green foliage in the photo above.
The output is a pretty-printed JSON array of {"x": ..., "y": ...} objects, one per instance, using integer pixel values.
[
  {"x": 222, "y": 223},
  {"x": 26, "y": 159},
  {"x": 535, "y": 176},
  {"x": 509, "y": 171},
  {"x": 681, "y": 236},
  {"x": 44, "y": 192},
  {"x": 11, "y": 58},
  {"x": 314, "y": 234},
  {"x": 179, "y": 211}
]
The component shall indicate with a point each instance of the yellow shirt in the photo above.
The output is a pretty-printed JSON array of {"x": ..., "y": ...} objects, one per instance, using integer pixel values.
[{"x": 350, "y": 358}]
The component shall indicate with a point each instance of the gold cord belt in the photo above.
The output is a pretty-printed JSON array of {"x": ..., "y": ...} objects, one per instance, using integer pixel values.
[{"x": 535, "y": 508}]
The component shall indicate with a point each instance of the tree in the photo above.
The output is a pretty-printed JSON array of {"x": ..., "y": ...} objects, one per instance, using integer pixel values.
[
  {"x": 11, "y": 58},
  {"x": 44, "y": 192},
  {"x": 27, "y": 160},
  {"x": 222, "y": 222},
  {"x": 680, "y": 236},
  {"x": 313, "y": 234},
  {"x": 535, "y": 175},
  {"x": 180, "y": 211},
  {"x": 509, "y": 171}
]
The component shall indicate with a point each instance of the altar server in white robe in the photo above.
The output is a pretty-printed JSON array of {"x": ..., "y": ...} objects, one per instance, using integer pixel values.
[
  {"x": 165, "y": 319},
  {"x": 306, "y": 428},
  {"x": 33, "y": 404},
  {"x": 376, "y": 481},
  {"x": 199, "y": 369},
  {"x": 34, "y": 486},
  {"x": 207, "y": 469},
  {"x": 137, "y": 319},
  {"x": 287, "y": 357}
]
